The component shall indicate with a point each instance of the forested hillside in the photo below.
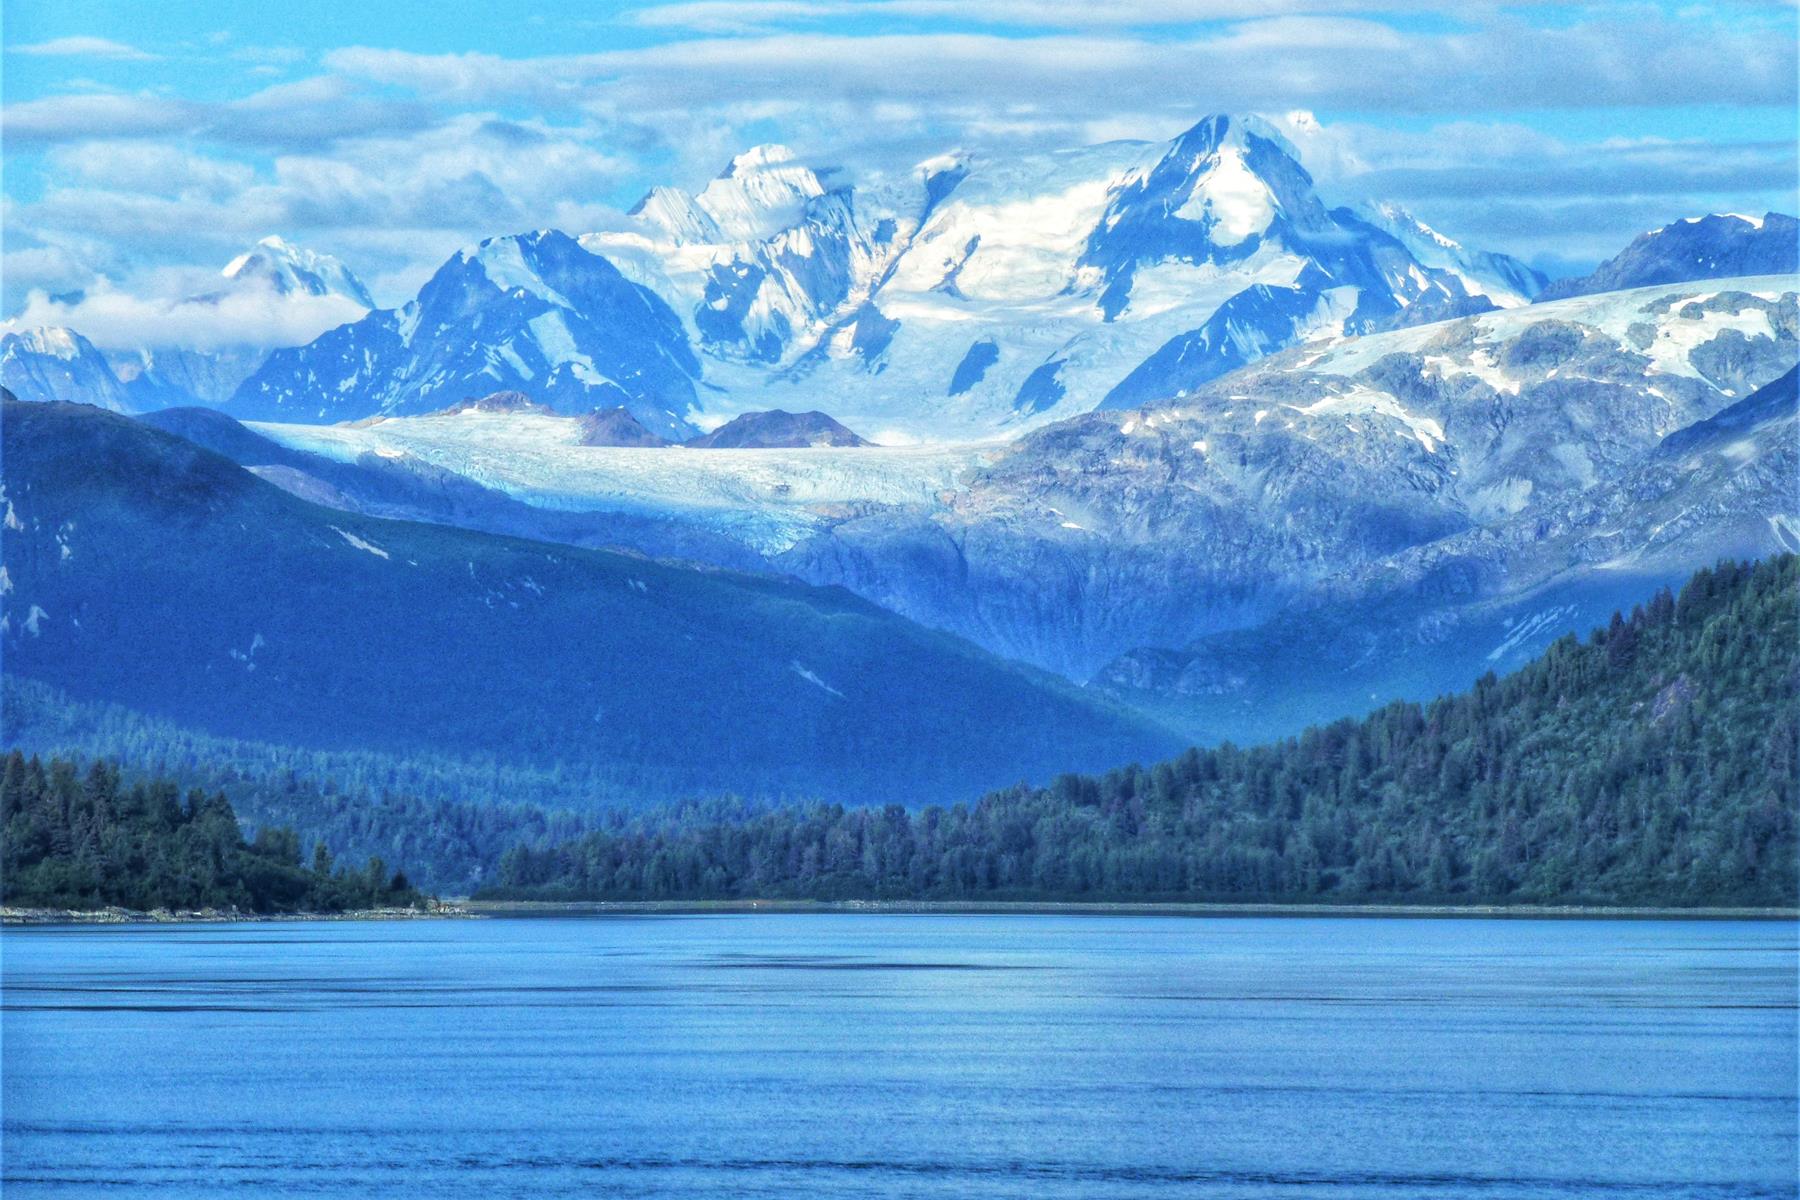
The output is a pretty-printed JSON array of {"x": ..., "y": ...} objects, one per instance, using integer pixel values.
[
  {"x": 447, "y": 818},
  {"x": 1653, "y": 763},
  {"x": 88, "y": 840}
]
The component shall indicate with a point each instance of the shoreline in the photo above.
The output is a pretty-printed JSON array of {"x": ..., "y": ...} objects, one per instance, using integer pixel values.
[
  {"x": 1539, "y": 912},
  {"x": 525, "y": 909},
  {"x": 217, "y": 916}
]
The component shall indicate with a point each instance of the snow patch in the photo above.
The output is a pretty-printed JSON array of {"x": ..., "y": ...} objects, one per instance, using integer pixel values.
[
  {"x": 1359, "y": 399},
  {"x": 801, "y": 670},
  {"x": 1532, "y": 626},
  {"x": 360, "y": 544}
]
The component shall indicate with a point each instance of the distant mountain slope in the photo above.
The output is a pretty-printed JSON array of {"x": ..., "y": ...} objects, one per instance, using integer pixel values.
[
  {"x": 533, "y": 313},
  {"x": 169, "y": 377},
  {"x": 59, "y": 364},
  {"x": 1717, "y": 246},
  {"x": 147, "y": 572},
  {"x": 1431, "y": 617},
  {"x": 1121, "y": 541}
]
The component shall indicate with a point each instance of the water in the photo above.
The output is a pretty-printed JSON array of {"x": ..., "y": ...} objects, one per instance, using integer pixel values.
[{"x": 853, "y": 1055}]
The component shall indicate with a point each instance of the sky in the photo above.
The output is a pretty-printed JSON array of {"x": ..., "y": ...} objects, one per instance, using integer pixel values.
[{"x": 146, "y": 144}]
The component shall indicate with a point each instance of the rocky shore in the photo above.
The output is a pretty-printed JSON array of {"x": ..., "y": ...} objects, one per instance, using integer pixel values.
[{"x": 436, "y": 910}]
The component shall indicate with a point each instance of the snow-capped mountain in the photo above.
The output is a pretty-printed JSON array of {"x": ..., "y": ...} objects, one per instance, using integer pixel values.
[
  {"x": 52, "y": 363},
  {"x": 1173, "y": 522},
  {"x": 534, "y": 313},
  {"x": 977, "y": 297},
  {"x": 287, "y": 269},
  {"x": 1716, "y": 246},
  {"x": 1500, "y": 277},
  {"x": 969, "y": 298},
  {"x": 273, "y": 284},
  {"x": 1099, "y": 536}
]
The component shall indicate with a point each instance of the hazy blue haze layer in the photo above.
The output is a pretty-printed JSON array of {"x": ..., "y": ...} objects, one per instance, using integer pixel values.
[{"x": 903, "y": 1056}]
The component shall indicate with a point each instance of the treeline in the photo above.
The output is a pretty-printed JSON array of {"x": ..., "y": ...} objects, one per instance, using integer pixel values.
[
  {"x": 447, "y": 819},
  {"x": 86, "y": 839},
  {"x": 1654, "y": 763}
]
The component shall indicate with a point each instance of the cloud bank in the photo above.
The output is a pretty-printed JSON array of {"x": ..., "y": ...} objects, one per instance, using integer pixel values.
[{"x": 1553, "y": 132}]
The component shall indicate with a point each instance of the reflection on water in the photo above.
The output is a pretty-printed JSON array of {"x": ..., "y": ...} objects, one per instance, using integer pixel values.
[{"x": 865, "y": 1055}]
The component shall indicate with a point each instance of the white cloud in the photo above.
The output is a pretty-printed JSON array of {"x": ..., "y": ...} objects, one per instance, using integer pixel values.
[
  {"x": 740, "y": 16},
  {"x": 71, "y": 117},
  {"x": 306, "y": 112},
  {"x": 1277, "y": 62},
  {"x": 392, "y": 205},
  {"x": 392, "y": 159},
  {"x": 117, "y": 320},
  {"x": 83, "y": 47}
]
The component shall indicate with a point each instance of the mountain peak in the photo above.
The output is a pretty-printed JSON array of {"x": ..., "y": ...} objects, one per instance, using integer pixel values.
[
  {"x": 1218, "y": 131},
  {"x": 761, "y": 192},
  {"x": 777, "y": 429},
  {"x": 52, "y": 362},
  {"x": 1747, "y": 219},
  {"x": 288, "y": 269},
  {"x": 756, "y": 158},
  {"x": 56, "y": 341}
]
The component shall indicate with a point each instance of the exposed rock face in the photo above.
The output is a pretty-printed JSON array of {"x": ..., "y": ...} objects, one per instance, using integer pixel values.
[
  {"x": 496, "y": 402},
  {"x": 777, "y": 430},
  {"x": 616, "y": 427}
]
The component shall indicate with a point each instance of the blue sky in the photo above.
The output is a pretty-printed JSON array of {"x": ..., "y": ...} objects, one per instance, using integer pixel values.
[{"x": 147, "y": 143}]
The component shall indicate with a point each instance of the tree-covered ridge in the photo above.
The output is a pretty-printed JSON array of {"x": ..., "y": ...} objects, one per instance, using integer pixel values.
[
  {"x": 447, "y": 819},
  {"x": 1654, "y": 763},
  {"x": 87, "y": 840}
]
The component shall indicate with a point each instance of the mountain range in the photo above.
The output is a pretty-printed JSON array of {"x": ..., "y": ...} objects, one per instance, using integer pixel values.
[
  {"x": 1151, "y": 417},
  {"x": 1452, "y": 475},
  {"x": 972, "y": 297}
]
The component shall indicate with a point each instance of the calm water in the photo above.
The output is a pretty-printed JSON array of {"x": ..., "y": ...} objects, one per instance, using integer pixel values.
[{"x": 745, "y": 1056}]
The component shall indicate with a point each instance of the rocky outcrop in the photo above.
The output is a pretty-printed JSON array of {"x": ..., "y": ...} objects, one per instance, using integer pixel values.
[{"x": 776, "y": 429}]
